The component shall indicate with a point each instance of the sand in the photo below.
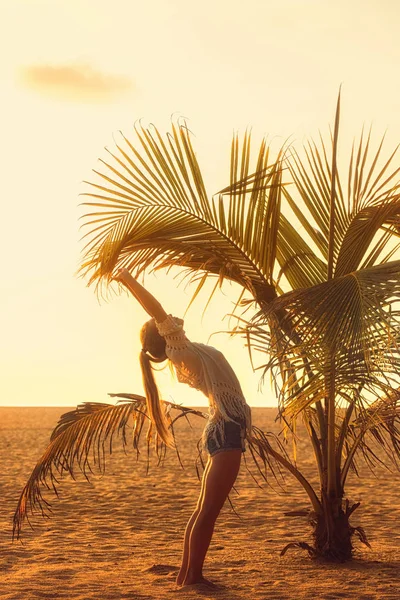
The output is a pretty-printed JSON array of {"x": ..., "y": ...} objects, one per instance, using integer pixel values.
[{"x": 120, "y": 537}]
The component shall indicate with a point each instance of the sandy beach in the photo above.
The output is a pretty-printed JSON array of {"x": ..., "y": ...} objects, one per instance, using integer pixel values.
[{"x": 120, "y": 536}]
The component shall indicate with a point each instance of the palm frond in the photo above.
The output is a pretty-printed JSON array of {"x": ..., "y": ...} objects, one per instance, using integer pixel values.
[
  {"x": 335, "y": 208},
  {"x": 153, "y": 212},
  {"x": 81, "y": 441},
  {"x": 298, "y": 262},
  {"x": 69, "y": 418},
  {"x": 368, "y": 203},
  {"x": 354, "y": 318},
  {"x": 262, "y": 451},
  {"x": 375, "y": 425},
  {"x": 361, "y": 231},
  {"x": 84, "y": 437}
]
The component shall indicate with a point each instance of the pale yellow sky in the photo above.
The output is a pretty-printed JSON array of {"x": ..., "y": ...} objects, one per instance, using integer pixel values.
[{"x": 74, "y": 73}]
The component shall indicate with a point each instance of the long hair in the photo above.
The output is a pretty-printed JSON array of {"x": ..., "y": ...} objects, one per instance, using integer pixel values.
[{"x": 153, "y": 351}]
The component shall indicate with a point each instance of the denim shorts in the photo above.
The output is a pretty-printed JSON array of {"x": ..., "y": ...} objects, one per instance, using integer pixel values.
[{"x": 234, "y": 439}]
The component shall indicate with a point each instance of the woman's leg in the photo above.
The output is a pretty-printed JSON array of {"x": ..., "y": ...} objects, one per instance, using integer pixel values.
[
  {"x": 185, "y": 556},
  {"x": 217, "y": 484}
]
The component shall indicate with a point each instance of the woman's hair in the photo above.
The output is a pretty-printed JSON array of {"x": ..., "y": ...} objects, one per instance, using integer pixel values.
[{"x": 153, "y": 350}]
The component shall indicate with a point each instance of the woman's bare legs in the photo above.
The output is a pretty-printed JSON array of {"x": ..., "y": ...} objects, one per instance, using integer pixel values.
[
  {"x": 185, "y": 556},
  {"x": 219, "y": 478}
]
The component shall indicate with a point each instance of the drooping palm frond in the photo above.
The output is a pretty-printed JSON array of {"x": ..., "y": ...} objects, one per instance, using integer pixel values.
[
  {"x": 154, "y": 213},
  {"x": 69, "y": 418},
  {"x": 81, "y": 441},
  {"x": 84, "y": 437}
]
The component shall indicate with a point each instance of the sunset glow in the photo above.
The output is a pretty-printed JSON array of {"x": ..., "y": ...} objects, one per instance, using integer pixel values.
[{"x": 77, "y": 72}]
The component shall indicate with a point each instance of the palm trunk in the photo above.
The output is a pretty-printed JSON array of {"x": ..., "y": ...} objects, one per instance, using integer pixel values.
[
  {"x": 330, "y": 416},
  {"x": 332, "y": 531}
]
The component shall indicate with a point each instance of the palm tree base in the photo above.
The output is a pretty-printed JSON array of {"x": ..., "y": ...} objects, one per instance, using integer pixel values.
[{"x": 332, "y": 534}]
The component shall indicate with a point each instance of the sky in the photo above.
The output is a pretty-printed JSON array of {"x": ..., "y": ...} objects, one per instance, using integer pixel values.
[{"x": 75, "y": 73}]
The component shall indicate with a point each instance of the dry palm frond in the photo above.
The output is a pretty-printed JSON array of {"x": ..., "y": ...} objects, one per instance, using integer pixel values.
[
  {"x": 81, "y": 441},
  {"x": 84, "y": 437},
  {"x": 82, "y": 410},
  {"x": 263, "y": 452},
  {"x": 153, "y": 212}
]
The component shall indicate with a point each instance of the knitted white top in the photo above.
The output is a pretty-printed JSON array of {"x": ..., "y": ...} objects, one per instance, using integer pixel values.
[{"x": 206, "y": 369}]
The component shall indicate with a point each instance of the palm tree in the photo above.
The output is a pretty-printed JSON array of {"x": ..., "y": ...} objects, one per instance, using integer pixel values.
[{"x": 315, "y": 257}]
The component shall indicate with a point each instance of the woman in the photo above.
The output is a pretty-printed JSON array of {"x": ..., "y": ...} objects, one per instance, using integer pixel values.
[{"x": 206, "y": 369}]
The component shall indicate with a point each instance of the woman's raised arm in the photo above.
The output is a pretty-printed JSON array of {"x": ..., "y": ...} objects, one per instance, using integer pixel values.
[{"x": 147, "y": 300}]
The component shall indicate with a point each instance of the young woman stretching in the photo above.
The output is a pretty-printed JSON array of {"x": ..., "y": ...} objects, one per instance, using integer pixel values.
[{"x": 206, "y": 369}]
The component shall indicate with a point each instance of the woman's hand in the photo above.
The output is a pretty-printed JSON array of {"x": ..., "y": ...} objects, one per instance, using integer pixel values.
[{"x": 122, "y": 275}]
